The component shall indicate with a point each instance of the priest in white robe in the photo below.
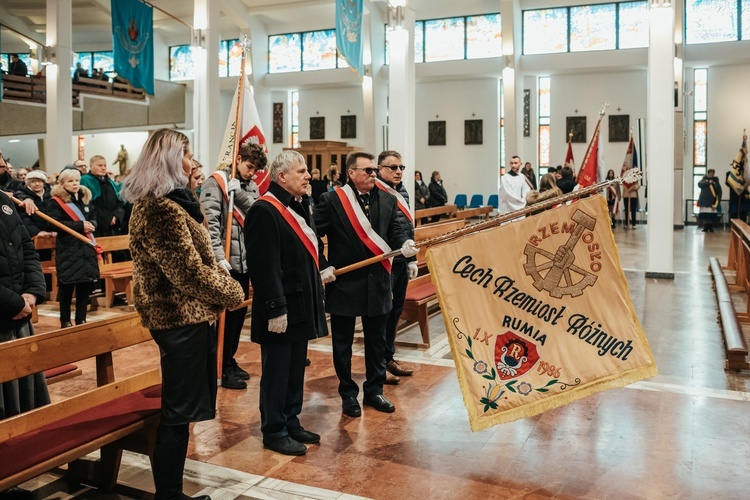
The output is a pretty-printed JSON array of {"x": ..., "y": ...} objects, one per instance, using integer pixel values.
[{"x": 513, "y": 188}]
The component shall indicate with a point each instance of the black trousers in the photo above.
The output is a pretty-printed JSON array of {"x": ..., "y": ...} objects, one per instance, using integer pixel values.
[
  {"x": 342, "y": 334},
  {"x": 65, "y": 297},
  {"x": 233, "y": 325},
  {"x": 631, "y": 206},
  {"x": 281, "y": 387},
  {"x": 399, "y": 281}
]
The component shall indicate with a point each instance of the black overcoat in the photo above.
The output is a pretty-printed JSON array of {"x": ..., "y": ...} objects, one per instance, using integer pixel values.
[{"x": 283, "y": 274}]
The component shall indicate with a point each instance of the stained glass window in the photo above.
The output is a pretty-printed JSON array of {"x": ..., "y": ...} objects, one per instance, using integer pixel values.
[
  {"x": 104, "y": 61},
  {"x": 633, "y": 29},
  {"x": 745, "y": 19},
  {"x": 319, "y": 50},
  {"x": 295, "y": 119},
  {"x": 234, "y": 57},
  {"x": 710, "y": 21},
  {"x": 181, "y": 65},
  {"x": 544, "y": 96},
  {"x": 4, "y": 64},
  {"x": 544, "y": 141},
  {"x": 484, "y": 36},
  {"x": 285, "y": 53},
  {"x": 699, "y": 143},
  {"x": 545, "y": 31},
  {"x": 85, "y": 59},
  {"x": 544, "y": 121},
  {"x": 444, "y": 39},
  {"x": 700, "y": 90},
  {"x": 592, "y": 27}
]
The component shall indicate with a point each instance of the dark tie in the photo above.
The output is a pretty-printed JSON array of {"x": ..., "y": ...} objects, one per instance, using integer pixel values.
[{"x": 365, "y": 199}]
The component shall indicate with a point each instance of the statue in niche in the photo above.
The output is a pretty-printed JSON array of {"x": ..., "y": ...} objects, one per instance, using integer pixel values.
[{"x": 122, "y": 159}]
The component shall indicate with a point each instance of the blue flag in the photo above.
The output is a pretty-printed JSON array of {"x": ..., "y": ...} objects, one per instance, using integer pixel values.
[
  {"x": 349, "y": 33},
  {"x": 133, "y": 43}
]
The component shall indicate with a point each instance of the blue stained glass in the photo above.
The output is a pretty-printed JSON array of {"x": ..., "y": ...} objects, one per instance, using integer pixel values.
[
  {"x": 419, "y": 41},
  {"x": 4, "y": 64},
  {"x": 105, "y": 61},
  {"x": 545, "y": 31},
  {"x": 484, "y": 36},
  {"x": 284, "y": 53},
  {"x": 444, "y": 39},
  {"x": 319, "y": 50},
  {"x": 592, "y": 27},
  {"x": 181, "y": 66},
  {"x": 234, "y": 57},
  {"x": 745, "y": 19},
  {"x": 710, "y": 21},
  {"x": 85, "y": 59},
  {"x": 633, "y": 29}
]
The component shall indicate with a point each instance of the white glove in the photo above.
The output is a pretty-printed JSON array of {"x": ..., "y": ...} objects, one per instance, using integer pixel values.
[
  {"x": 326, "y": 275},
  {"x": 413, "y": 270},
  {"x": 233, "y": 186},
  {"x": 226, "y": 265},
  {"x": 277, "y": 324},
  {"x": 408, "y": 249}
]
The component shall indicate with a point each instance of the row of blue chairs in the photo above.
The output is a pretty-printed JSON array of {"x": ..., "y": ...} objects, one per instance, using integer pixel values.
[{"x": 477, "y": 200}]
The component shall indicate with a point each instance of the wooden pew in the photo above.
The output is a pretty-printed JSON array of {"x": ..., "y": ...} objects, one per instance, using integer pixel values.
[
  {"x": 449, "y": 210},
  {"x": 735, "y": 344},
  {"x": 419, "y": 293},
  {"x": 432, "y": 230},
  {"x": 482, "y": 212},
  {"x": 118, "y": 414},
  {"x": 48, "y": 266},
  {"x": 117, "y": 276}
]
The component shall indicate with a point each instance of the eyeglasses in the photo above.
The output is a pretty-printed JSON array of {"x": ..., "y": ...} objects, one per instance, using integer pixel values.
[
  {"x": 367, "y": 170},
  {"x": 394, "y": 167}
]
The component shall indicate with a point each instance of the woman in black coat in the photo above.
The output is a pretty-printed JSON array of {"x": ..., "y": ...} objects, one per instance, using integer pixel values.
[
  {"x": 438, "y": 196},
  {"x": 421, "y": 192},
  {"x": 21, "y": 287},
  {"x": 77, "y": 263}
]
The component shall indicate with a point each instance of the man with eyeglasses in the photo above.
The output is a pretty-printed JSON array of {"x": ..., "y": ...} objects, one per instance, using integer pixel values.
[
  {"x": 390, "y": 173},
  {"x": 360, "y": 222}
]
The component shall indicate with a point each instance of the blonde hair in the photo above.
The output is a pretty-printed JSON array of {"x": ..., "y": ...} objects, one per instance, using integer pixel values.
[
  {"x": 68, "y": 173},
  {"x": 158, "y": 169}
]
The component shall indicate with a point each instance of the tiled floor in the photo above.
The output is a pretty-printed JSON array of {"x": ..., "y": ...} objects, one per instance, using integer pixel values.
[{"x": 682, "y": 434}]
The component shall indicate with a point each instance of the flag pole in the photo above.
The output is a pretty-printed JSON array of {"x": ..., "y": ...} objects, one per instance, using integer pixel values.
[
  {"x": 221, "y": 325},
  {"x": 57, "y": 224},
  {"x": 739, "y": 198},
  {"x": 591, "y": 142}
]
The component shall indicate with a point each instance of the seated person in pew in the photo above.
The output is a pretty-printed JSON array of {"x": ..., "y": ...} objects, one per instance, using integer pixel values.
[{"x": 179, "y": 290}]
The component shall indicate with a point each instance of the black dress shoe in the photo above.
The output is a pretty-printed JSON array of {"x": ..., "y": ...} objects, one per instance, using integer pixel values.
[
  {"x": 286, "y": 446},
  {"x": 65, "y": 324},
  {"x": 201, "y": 497},
  {"x": 302, "y": 436},
  {"x": 380, "y": 403},
  {"x": 239, "y": 372},
  {"x": 350, "y": 407},
  {"x": 230, "y": 381},
  {"x": 307, "y": 362},
  {"x": 16, "y": 493}
]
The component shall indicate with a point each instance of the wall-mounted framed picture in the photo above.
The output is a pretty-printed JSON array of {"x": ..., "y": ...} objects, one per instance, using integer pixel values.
[
  {"x": 619, "y": 128},
  {"x": 348, "y": 126},
  {"x": 278, "y": 122},
  {"x": 317, "y": 127},
  {"x": 436, "y": 133},
  {"x": 576, "y": 125},
  {"x": 473, "y": 132},
  {"x": 526, "y": 113}
]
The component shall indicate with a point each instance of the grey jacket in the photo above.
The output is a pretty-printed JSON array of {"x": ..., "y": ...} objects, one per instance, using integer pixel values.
[{"x": 215, "y": 207}]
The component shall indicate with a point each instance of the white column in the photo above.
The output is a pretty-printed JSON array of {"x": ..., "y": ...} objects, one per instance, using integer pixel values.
[
  {"x": 401, "y": 91},
  {"x": 660, "y": 136},
  {"x": 512, "y": 78},
  {"x": 59, "y": 149},
  {"x": 207, "y": 131},
  {"x": 259, "y": 68}
]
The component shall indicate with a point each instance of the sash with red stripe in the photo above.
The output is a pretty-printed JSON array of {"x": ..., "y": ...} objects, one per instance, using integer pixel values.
[
  {"x": 76, "y": 216},
  {"x": 304, "y": 232},
  {"x": 402, "y": 205},
  {"x": 362, "y": 226},
  {"x": 221, "y": 180}
]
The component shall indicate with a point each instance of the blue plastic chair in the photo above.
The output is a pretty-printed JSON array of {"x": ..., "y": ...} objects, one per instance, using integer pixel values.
[
  {"x": 461, "y": 200},
  {"x": 477, "y": 200},
  {"x": 493, "y": 201}
]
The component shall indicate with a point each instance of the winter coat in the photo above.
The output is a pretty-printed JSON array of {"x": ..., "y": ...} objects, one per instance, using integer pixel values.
[
  {"x": 215, "y": 207},
  {"x": 105, "y": 195},
  {"x": 8, "y": 183},
  {"x": 706, "y": 198},
  {"x": 534, "y": 197},
  {"x": 75, "y": 261},
  {"x": 566, "y": 184},
  {"x": 438, "y": 196},
  {"x": 20, "y": 270},
  {"x": 283, "y": 274},
  {"x": 421, "y": 191},
  {"x": 176, "y": 279},
  {"x": 405, "y": 223},
  {"x": 34, "y": 224}
]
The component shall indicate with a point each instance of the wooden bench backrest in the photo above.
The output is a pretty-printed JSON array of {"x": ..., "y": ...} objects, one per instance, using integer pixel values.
[
  {"x": 473, "y": 212},
  {"x": 427, "y": 231},
  {"x": 49, "y": 350},
  {"x": 419, "y": 280},
  {"x": 429, "y": 212}
]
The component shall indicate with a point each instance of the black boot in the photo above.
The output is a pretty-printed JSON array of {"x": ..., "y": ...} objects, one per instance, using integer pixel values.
[
  {"x": 169, "y": 461},
  {"x": 65, "y": 324}
]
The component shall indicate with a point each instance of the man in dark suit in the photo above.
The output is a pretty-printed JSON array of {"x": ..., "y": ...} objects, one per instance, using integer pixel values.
[
  {"x": 360, "y": 222},
  {"x": 17, "y": 66},
  {"x": 282, "y": 259}
]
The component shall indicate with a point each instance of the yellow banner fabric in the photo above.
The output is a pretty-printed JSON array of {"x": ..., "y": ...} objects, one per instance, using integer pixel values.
[{"x": 538, "y": 313}]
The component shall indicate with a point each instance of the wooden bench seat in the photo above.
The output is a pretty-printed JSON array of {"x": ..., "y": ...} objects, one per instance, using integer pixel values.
[
  {"x": 419, "y": 293},
  {"x": 116, "y": 415},
  {"x": 735, "y": 344}
]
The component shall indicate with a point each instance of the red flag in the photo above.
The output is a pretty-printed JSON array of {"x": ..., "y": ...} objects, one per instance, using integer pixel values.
[
  {"x": 629, "y": 162},
  {"x": 593, "y": 163},
  {"x": 251, "y": 132},
  {"x": 569, "y": 161}
]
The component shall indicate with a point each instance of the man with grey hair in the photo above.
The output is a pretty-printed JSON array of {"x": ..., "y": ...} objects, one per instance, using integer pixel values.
[{"x": 283, "y": 262}]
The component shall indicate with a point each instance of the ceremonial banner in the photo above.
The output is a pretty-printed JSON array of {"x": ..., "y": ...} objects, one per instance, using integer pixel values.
[
  {"x": 538, "y": 313},
  {"x": 593, "y": 162},
  {"x": 133, "y": 42},
  {"x": 739, "y": 174},
  {"x": 569, "y": 161},
  {"x": 630, "y": 161},
  {"x": 251, "y": 132},
  {"x": 349, "y": 33}
]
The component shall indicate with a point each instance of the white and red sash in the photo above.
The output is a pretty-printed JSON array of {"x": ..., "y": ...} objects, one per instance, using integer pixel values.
[
  {"x": 76, "y": 215},
  {"x": 303, "y": 231},
  {"x": 361, "y": 224},
  {"x": 221, "y": 180},
  {"x": 402, "y": 205}
]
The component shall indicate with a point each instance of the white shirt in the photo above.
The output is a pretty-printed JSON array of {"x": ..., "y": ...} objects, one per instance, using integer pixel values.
[{"x": 512, "y": 195}]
